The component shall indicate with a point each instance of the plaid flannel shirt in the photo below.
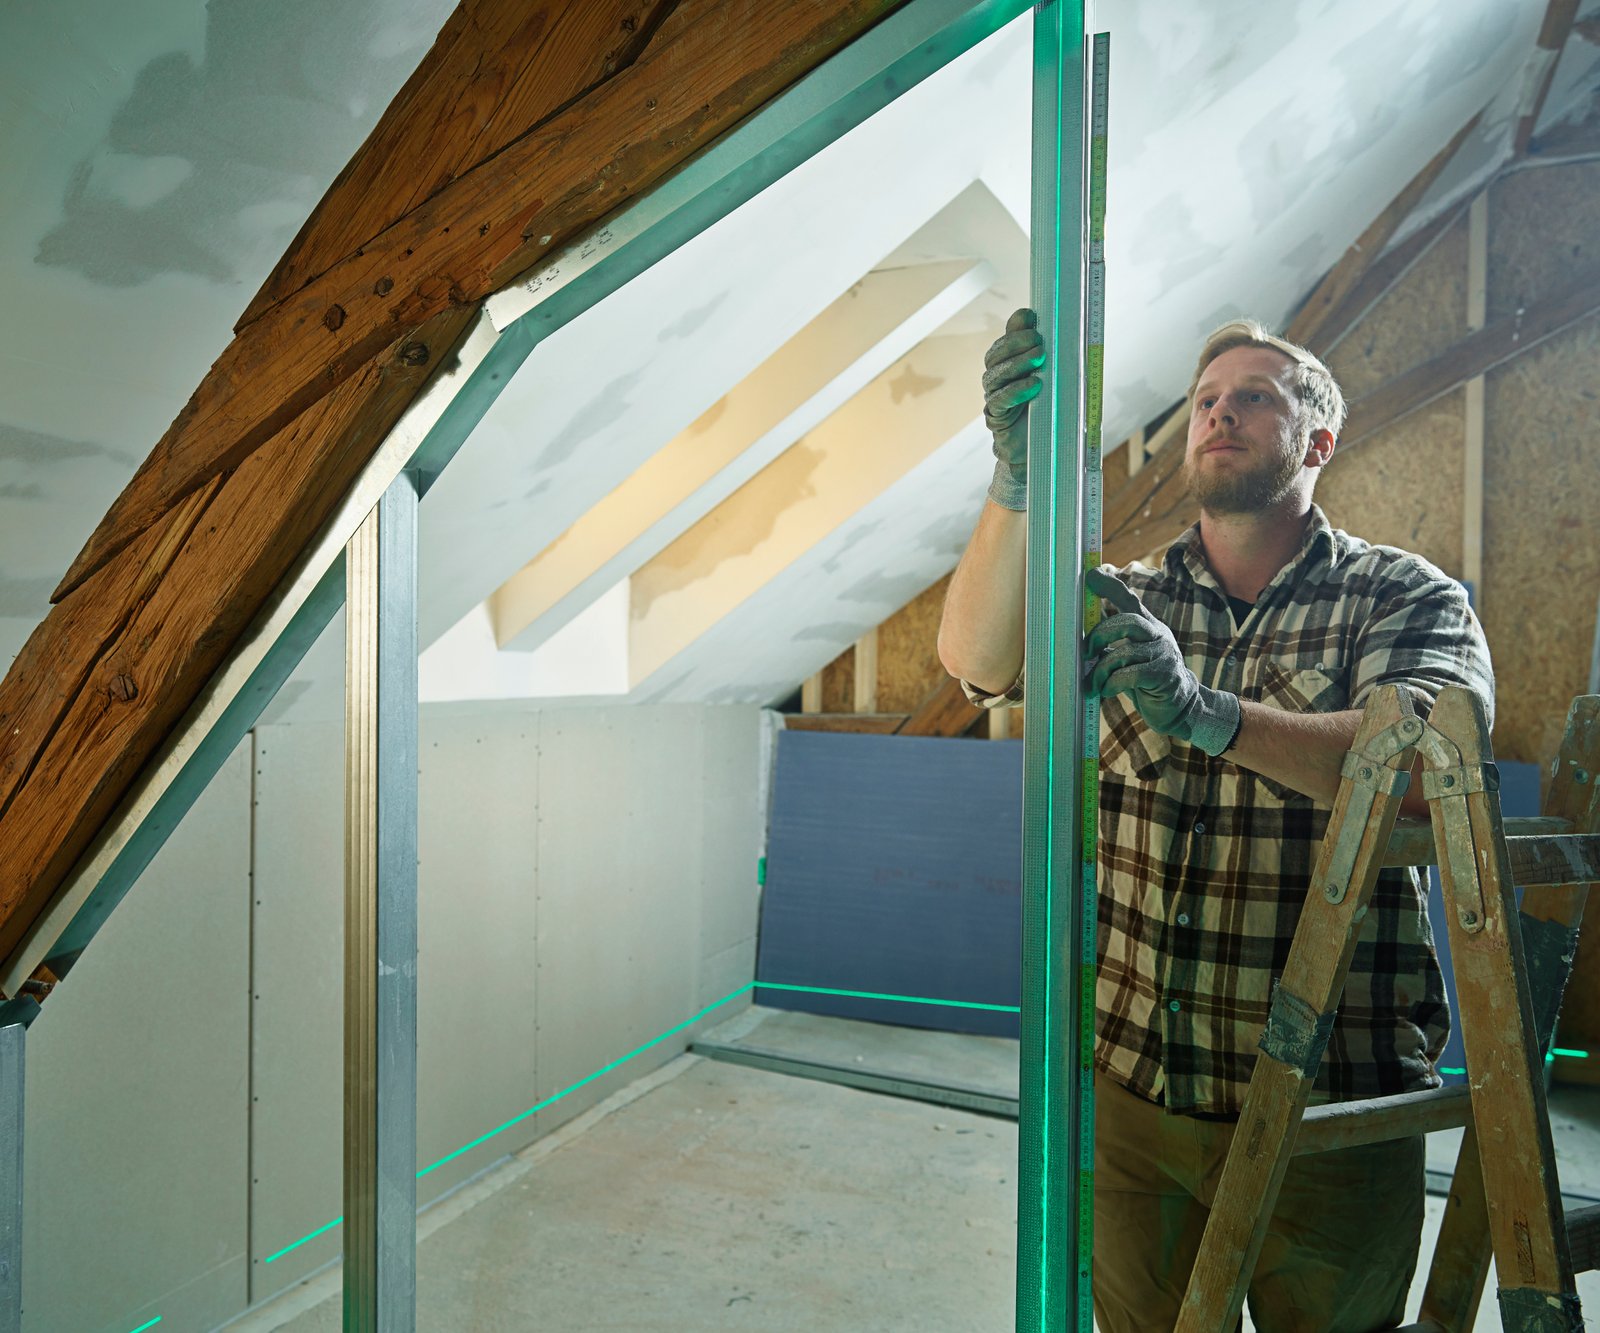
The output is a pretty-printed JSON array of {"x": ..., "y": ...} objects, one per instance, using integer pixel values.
[{"x": 1204, "y": 865}]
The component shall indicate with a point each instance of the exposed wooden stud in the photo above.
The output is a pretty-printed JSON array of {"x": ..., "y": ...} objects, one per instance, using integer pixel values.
[
  {"x": 1472, "y": 456},
  {"x": 866, "y": 673},
  {"x": 811, "y": 694},
  {"x": 1136, "y": 452}
]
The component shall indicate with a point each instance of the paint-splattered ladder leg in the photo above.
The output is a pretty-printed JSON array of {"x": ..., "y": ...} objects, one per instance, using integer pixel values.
[
  {"x": 1505, "y": 1060},
  {"x": 1550, "y": 918},
  {"x": 1301, "y": 1016}
]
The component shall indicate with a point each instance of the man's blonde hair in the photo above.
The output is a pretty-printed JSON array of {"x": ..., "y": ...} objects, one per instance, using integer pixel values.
[{"x": 1320, "y": 398}]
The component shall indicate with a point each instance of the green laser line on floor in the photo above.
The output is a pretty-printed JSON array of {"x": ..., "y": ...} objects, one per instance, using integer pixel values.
[{"x": 639, "y": 1050}]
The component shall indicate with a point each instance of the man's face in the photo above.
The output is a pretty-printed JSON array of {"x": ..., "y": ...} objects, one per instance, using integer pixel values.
[{"x": 1247, "y": 447}]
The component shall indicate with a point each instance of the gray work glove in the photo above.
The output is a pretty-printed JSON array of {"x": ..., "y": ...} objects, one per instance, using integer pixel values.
[
  {"x": 1133, "y": 653},
  {"x": 1009, "y": 384}
]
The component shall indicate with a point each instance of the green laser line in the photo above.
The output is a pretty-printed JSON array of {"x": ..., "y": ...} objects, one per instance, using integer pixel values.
[
  {"x": 1549, "y": 1059},
  {"x": 639, "y": 1050},
  {"x": 149, "y": 1323}
]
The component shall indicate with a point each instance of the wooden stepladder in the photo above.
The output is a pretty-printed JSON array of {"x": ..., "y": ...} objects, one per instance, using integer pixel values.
[{"x": 1510, "y": 969}]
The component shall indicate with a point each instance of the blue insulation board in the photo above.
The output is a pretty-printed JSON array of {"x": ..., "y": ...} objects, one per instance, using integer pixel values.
[{"x": 894, "y": 866}]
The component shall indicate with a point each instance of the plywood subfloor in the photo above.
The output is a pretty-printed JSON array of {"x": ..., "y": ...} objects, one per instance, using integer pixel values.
[{"x": 711, "y": 1196}]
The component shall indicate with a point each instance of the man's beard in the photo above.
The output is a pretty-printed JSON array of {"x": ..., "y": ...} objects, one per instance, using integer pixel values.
[{"x": 1238, "y": 491}]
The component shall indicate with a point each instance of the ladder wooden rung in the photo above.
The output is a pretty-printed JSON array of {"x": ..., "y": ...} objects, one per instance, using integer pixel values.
[
  {"x": 1379, "y": 1119},
  {"x": 1412, "y": 842},
  {"x": 1563, "y": 858},
  {"x": 1583, "y": 1238}
]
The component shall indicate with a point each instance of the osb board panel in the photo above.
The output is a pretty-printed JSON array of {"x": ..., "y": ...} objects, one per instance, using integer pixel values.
[
  {"x": 1541, "y": 514},
  {"x": 1403, "y": 486},
  {"x": 1541, "y": 233},
  {"x": 908, "y": 651},
  {"x": 1421, "y": 315}
]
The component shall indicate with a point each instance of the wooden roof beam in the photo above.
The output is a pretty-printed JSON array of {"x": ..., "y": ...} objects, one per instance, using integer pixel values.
[
  {"x": 708, "y": 64},
  {"x": 135, "y": 688}
]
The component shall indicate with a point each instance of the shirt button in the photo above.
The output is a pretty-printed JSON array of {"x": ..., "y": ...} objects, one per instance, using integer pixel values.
[
  {"x": 1175, "y": 1006},
  {"x": 1183, "y": 918},
  {"x": 1199, "y": 827}
]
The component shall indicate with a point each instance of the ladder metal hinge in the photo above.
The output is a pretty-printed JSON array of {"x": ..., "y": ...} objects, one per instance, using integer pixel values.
[
  {"x": 1462, "y": 781},
  {"x": 1372, "y": 777}
]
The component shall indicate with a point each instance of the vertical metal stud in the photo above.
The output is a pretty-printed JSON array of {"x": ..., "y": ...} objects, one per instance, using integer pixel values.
[
  {"x": 380, "y": 1033},
  {"x": 1052, "y": 1227},
  {"x": 12, "y": 1049}
]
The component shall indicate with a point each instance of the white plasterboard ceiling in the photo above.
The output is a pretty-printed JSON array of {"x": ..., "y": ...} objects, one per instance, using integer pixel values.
[{"x": 161, "y": 156}]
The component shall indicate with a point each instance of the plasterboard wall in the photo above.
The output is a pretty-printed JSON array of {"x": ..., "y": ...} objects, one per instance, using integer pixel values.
[{"x": 588, "y": 881}]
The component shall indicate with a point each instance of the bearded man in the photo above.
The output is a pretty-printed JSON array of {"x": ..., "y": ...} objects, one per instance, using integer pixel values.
[{"x": 1233, "y": 676}]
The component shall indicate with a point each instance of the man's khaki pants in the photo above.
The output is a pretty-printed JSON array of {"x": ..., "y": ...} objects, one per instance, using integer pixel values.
[{"x": 1339, "y": 1254}]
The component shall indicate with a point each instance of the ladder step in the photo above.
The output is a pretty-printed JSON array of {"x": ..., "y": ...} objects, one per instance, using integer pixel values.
[
  {"x": 1565, "y": 858},
  {"x": 1412, "y": 843},
  {"x": 1583, "y": 1238},
  {"x": 1379, "y": 1119}
]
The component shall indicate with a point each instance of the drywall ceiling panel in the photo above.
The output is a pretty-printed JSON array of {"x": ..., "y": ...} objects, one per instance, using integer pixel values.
[
  {"x": 779, "y": 517},
  {"x": 867, "y": 567},
  {"x": 600, "y": 396}
]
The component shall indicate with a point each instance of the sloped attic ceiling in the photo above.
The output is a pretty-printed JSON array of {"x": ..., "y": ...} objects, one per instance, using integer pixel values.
[{"x": 169, "y": 158}]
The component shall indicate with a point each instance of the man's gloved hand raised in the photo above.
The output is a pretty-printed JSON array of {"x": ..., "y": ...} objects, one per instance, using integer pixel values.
[
  {"x": 1133, "y": 653},
  {"x": 1009, "y": 384}
]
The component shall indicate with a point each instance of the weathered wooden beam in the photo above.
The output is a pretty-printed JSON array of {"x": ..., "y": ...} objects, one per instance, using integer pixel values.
[
  {"x": 709, "y": 64},
  {"x": 1311, "y": 321},
  {"x": 945, "y": 712},
  {"x": 1505, "y": 339},
  {"x": 874, "y": 724},
  {"x": 495, "y": 71},
  {"x": 129, "y": 650},
  {"x": 1540, "y": 69},
  {"x": 1380, "y": 279}
]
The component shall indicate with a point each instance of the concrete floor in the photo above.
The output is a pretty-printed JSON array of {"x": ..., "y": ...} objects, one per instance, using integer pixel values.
[{"x": 709, "y": 1196}]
